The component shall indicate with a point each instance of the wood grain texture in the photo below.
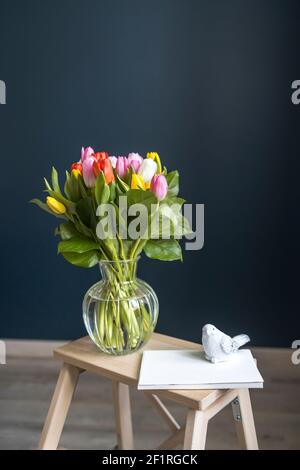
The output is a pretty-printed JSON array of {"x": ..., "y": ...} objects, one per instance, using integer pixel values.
[
  {"x": 84, "y": 354},
  {"x": 122, "y": 407},
  {"x": 59, "y": 407},
  {"x": 195, "y": 431},
  {"x": 245, "y": 426},
  {"x": 27, "y": 384}
]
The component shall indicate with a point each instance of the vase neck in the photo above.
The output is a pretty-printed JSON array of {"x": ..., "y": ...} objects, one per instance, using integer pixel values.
[{"x": 121, "y": 271}]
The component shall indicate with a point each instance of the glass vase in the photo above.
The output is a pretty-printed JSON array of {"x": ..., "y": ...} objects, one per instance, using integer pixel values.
[{"x": 120, "y": 312}]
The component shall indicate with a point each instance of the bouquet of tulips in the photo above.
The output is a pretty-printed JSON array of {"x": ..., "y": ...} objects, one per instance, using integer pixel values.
[
  {"x": 96, "y": 207},
  {"x": 100, "y": 179}
]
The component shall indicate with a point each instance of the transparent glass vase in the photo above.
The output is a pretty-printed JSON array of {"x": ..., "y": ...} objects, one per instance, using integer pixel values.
[{"x": 120, "y": 312}]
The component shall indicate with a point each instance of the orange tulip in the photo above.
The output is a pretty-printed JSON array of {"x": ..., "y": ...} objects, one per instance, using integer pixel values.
[{"x": 105, "y": 166}]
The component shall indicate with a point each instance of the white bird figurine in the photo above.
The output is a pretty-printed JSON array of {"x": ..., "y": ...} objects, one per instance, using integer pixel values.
[{"x": 219, "y": 347}]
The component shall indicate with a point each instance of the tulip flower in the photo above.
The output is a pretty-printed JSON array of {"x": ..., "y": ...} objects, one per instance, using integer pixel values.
[
  {"x": 101, "y": 155},
  {"x": 76, "y": 173},
  {"x": 154, "y": 156},
  {"x": 87, "y": 171},
  {"x": 159, "y": 186},
  {"x": 55, "y": 206},
  {"x": 137, "y": 182},
  {"x": 78, "y": 167},
  {"x": 134, "y": 160},
  {"x": 105, "y": 166},
  {"x": 147, "y": 169},
  {"x": 113, "y": 161},
  {"x": 121, "y": 166},
  {"x": 86, "y": 152}
]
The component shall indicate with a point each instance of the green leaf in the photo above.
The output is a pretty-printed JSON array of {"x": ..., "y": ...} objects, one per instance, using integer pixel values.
[
  {"x": 173, "y": 200},
  {"x": 71, "y": 187},
  {"x": 112, "y": 189},
  {"x": 86, "y": 212},
  {"x": 43, "y": 205},
  {"x": 128, "y": 176},
  {"x": 47, "y": 184},
  {"x": 173, "y": 183},
  {"x": 102, "y": 191},
  {"x": 82, "y": 260},
  {"x": 83, "y": 229},
  {"x": 75, "y": 187},
  {"x": 169, "y": 222},
  {"x": 164, "y": 250},
  {"x": 82, "y": 187},
  {"x": 67, "y": 231},
  {"x": 138, "y": 196},
  {"x": 122, "y": 185},
  {"x": 54, "y": 179},
  {"x": 67, "y": 188},
  {"x": 77, "y": 245}
]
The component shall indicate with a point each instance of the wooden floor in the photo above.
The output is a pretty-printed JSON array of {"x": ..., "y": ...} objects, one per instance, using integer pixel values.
[{"x": 27, "y": 382}]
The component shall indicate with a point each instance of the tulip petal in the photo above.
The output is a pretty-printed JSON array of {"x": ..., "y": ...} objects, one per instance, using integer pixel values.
[
  {"x": 87, "y": 172},
  {"x": 113, "y": 161},
  {"x": 159, "y": 186},
  {"x": 86, "y": 153},
  {"x": 134, "y": 160},
  {"x": 147, "y": 169},
  {"x": 121, "y": 166}
]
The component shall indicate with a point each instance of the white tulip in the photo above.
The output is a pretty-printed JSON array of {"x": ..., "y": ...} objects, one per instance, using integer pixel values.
[
  {"x": 147, "y": 169},
  {"x": 113, "y": 161}
]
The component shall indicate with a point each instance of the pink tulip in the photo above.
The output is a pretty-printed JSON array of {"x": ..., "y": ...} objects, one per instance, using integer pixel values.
[
  {"x": 121, "y": 166},
  {"x": 86, "y": 152},
  {"x": 134, "y": 160},
  {"x": 159, "y": 186},
  {"x": 87, "y": 171}
]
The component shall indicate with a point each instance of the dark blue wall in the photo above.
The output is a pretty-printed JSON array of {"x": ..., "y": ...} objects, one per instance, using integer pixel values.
[{"x": 204, "y": 83}]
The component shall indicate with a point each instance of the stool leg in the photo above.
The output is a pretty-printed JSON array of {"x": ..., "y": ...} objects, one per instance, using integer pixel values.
[
  {"x": 195, "y": 430},
  {"x": 59, "y": 407},
  {"x": 123, "y": 416},
  {"x": 244, "y": 421}
]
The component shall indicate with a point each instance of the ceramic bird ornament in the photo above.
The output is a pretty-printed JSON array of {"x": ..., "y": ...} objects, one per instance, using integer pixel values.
[{"x": 219, "y": 347}]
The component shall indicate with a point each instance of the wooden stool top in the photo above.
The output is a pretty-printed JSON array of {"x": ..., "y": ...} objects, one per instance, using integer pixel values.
[{"x": 84, "y": 354}]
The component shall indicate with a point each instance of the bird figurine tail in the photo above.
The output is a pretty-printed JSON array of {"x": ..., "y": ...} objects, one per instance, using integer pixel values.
[{"x": 239, "y": 340}]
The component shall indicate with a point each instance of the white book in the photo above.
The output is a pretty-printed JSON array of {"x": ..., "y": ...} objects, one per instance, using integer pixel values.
[{"x": 188, "y": 369}]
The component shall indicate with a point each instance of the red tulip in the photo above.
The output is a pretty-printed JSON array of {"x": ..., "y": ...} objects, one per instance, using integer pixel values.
[
  {"x": 101, "y": 156},
  {"x": 105, "y": 166},
  {"x": 77, "y": 166}
]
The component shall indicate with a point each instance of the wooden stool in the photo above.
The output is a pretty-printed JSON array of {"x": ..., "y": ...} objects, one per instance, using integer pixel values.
[{"x": 82, "y": 355}]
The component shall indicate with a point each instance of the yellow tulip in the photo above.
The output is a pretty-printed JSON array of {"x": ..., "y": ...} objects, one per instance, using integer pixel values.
[
  {"x": 56, "y": 206},
  {"x": 76, "y": 173},
  {"x": 154, "y": 156},
  {"x": 137, "y": 182}
]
